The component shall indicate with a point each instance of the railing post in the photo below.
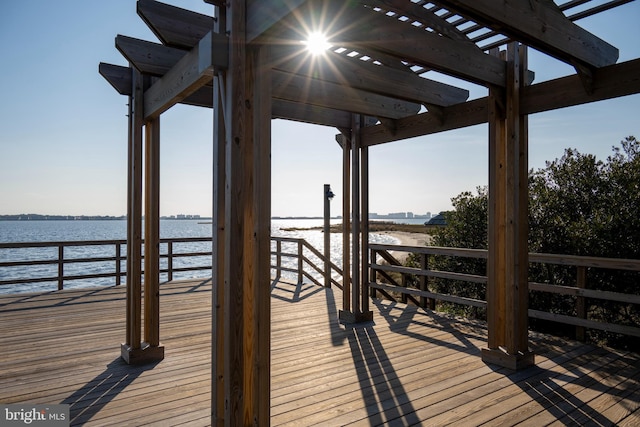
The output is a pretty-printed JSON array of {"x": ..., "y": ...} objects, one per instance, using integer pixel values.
[
  {"x": 581, "y": 306},
  {"x": 403, "y": 283},
  {"x": 118, "y": 267},
  {"x": 374, "y": 261},
  {"x": 328, "y": 195},
  {"x": 169, "y": 260},
  {"x": 299, "y": 260},
  {"x": 60, "y": 267},
  {"x": 278, "y": 258},
  {"x": 424, "y": 302}
]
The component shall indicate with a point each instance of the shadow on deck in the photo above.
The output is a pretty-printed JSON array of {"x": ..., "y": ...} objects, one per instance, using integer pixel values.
[{"x": 408, "y": 367}]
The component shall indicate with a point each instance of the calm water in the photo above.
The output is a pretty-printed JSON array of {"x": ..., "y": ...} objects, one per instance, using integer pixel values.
[{"x": 44, "y": 231}]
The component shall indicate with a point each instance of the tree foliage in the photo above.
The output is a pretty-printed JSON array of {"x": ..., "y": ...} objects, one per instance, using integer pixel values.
[{"x": 578, "y": 205}]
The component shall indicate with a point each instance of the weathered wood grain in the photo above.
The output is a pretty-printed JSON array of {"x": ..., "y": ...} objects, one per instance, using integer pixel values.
[{"x": 408, "y": 366}]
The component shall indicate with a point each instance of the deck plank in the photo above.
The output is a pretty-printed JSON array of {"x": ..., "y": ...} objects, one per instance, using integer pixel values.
[{"x": 409, "y": 366}]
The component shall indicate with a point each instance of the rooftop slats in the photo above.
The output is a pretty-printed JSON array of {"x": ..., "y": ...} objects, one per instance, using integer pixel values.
[{"x": 382, "y": 48}]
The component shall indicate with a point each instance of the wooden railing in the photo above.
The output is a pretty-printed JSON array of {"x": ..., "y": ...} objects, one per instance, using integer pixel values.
[
  {"x": 423, "y": 297},
  {"x": 109, "y": 266},
  {"x": 304, "y": 256},
  {"x": 298, "y": 257}
]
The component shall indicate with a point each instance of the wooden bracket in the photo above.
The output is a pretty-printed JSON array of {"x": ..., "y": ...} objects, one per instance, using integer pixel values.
[
  {"x": 587, "y": 76},
  {"x": 344, "y": 136},
  {"x": 389, "y": 124},
  {"x": 437, "y": 111}
]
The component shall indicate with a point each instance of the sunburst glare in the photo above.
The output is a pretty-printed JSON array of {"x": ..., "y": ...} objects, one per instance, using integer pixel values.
[{"x": 317, "y": 43}]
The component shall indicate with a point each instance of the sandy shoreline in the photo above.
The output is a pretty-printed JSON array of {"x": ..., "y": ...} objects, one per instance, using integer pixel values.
[{"x": 406, "y": 238}]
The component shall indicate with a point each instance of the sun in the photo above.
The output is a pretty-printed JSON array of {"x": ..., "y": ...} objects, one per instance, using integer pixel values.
[{"x": 317, "y": 43}]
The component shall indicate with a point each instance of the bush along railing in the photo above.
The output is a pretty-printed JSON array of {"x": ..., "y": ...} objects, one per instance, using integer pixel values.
[
  {"x": 297, "y": 256},
  {"x": 583, "y": 305}
]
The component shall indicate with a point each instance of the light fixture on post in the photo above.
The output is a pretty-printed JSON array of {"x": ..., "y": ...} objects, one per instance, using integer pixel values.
[{"x": 328, "y": 195}]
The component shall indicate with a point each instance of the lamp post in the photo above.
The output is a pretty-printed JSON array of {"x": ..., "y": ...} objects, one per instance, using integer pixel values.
[{"x": 328, "y": 195}]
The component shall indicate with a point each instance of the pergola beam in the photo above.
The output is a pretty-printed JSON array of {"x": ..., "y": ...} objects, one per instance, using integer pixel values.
[
  {"x": 193, "y": 70},
  {"x": 289, "y": 110},
  {"x": 174, "y": 26},
  {"x": 148, "y": 57},
  {"x": 610, "y": 82},
  {"x": 541, "y": 25},
  {"x": 378, "y": 32},
  {"x": 120, "y": 78},
  {"x": 262, "y": 15},
  {"x": 190, "y": 73},
  {"x": 384, "y": 80},
  {"x": 312, "y": 91},
  {"x": 419, "y": 13}
]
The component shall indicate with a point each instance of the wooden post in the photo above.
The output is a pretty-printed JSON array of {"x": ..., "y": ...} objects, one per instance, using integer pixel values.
[
  {"x": 346, "y": 226},
  {"x": 135, "y": 352},
  {"x": 246, "y": 293},
  {"x": 355, "y": 215},
  {"x": 581, "y": 306},
  {"x": 507, "y": 287},
  {"x": 152, "y": 239},
  {"x": 327, "y": 235},
  {"x": 60, "y": 267},
  {"x": 300, "y": 262},
  {"x": 278, "y": 259},
  {"x": 364, "y": 210},
  {"x": 169, "y": 261},
  {"x": 218, "y": 257},
  {"x": 359, "y": 230},
  {"x": 130, "y": 350},
  {"x": 218, "y": 245},
  {"x": 118, "y": 266}
]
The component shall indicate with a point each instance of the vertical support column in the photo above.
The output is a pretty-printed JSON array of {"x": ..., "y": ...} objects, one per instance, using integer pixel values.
[
  {"x": 359, "y": 308},
  {"x": 346, "y": 225},
  {"x": 151, "y": 346},
  {"x": 355, "y": 216},
  {"x": 131, "y": 348},
  {"x": 218, "y": 239},
  {"x": 507, "y": 287},
  {"x": 364, "y": 232},
  {"x": 247, "y": 114},
  {"x": 327, "y": 234},
  {"x": 134, "y": 351}
]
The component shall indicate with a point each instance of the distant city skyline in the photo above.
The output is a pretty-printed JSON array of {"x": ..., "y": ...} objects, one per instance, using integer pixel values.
[
  {"x": 34, "y": 215},
  {"x": 63, "y": 130}
]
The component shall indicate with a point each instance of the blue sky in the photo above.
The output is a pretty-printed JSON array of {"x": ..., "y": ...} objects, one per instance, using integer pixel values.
[{"x": 63, "y": 130}]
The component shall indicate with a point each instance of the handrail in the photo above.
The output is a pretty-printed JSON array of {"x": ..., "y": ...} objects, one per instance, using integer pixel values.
[
  {"x": 61, "y": 260},
  {"x": 580, "y": 291},
  {"x": 303, "y": 261},
  {"x": 305, "y": 258}
]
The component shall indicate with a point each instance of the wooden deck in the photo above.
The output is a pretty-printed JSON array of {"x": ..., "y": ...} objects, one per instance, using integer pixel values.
[{"x": 409, "y": 367}]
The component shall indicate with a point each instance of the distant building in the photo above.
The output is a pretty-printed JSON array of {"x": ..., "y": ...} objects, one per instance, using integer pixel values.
[{"x": 397, "y": 215}]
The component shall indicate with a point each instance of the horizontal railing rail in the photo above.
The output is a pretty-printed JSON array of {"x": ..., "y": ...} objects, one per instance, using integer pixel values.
[
  {"x": 423, "y": 297},
  {"x": 304, "y": 260},
  {"x": 304, "y": 256},
  {"x": 61, "y": 261}
]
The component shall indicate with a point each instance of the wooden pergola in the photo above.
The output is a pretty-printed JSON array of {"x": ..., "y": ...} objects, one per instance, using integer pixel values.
[{"x": 248, "y": 62}]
